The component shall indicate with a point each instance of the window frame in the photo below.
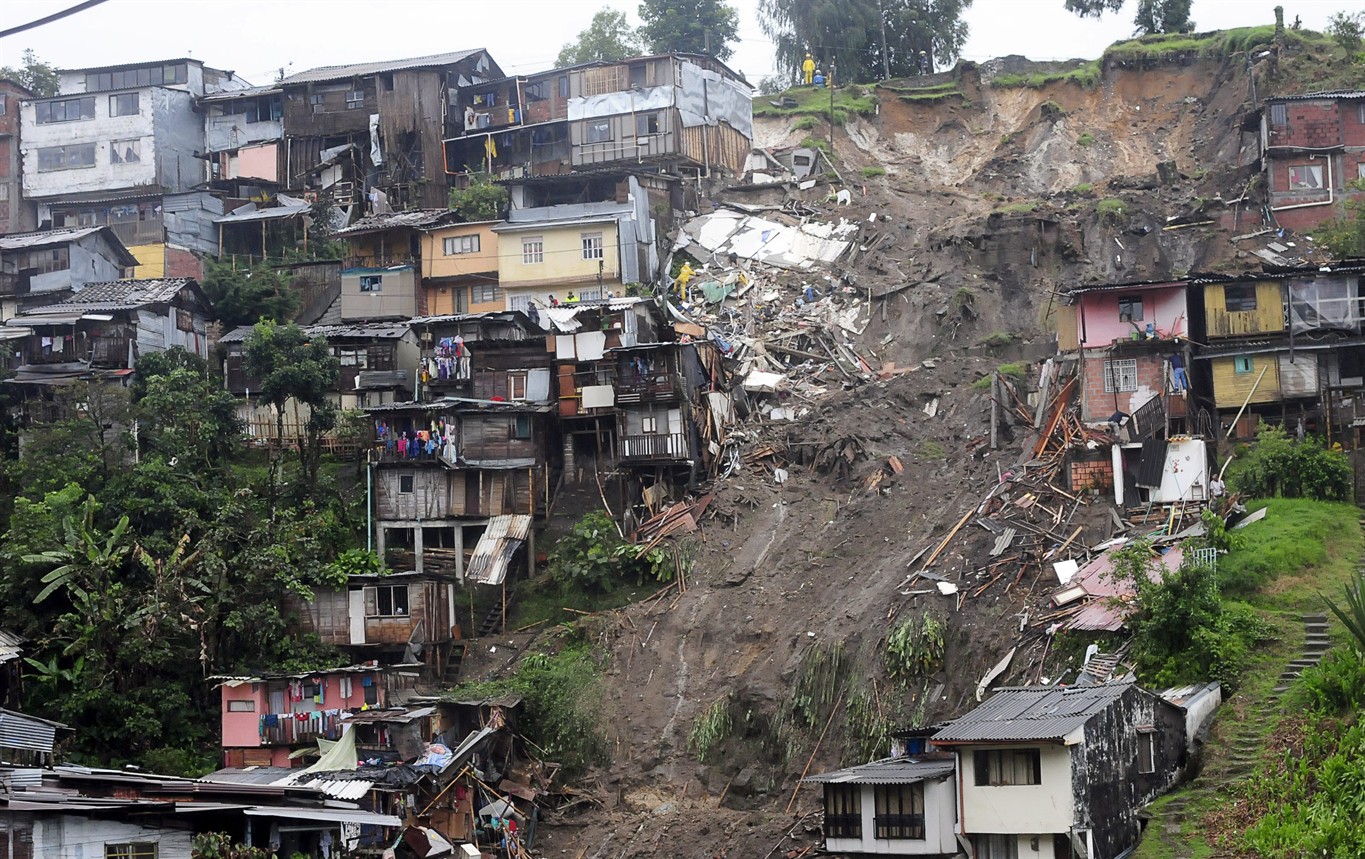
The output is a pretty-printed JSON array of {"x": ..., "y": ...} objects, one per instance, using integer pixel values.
[
  {"x": 894, "y": 822},
  {"x": 649, "y": 424},
  {"x": 532, "y": 250},
  {"x": 593, "y": 245},
  {"x": 520, "y": 428},
  {"x": 66, "y": 157},
  {"x": 353, "y": 103},
  {"x": 46, "y": 107},
  {"x": 1312, "y": 170},
  {"x": 4, "y": 102},
  {"x": 1243, "y": 292},
  {"x": 460, "y": 245},
  {"x": 1117, "y": 378},
  {"x": 371, "y": 283},
  {"x": 118, "y": 98},
  {"x": 376, "y": 596},
  {"x": 1146, "y": 738},
  {"x": 984, "y": 761},
  {"x": 241, "y": 705},
  {"x": 517, "y": 381},
  {"x": 485, "y": 293},
  {"x": 843, "y": 811},
  {"x": 651, "y": 124},
  {"x": 131, "y": 850},
  {"x": 1243, "y": 365},
  {"x": 406, "y": 484},
  {"x": 1127, "y": 305},
  {"x": 598, "y": 131},
  {"x": 136, "y": 145}
]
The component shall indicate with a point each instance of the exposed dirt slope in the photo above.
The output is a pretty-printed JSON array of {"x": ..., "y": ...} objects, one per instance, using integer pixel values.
[{"x": 981, "y": 193}]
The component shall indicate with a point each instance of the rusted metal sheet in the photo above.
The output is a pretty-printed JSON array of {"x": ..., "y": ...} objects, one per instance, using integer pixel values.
[{"x": 493, "y": 554}]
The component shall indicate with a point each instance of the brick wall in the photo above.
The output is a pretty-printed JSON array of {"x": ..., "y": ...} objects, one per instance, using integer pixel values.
[
  {"x": 1092, "y": 472},
  {"x": 1311, "y": 124},
  {"x": 1098, "y": 404},
  {"x": 183, "y": 263}
]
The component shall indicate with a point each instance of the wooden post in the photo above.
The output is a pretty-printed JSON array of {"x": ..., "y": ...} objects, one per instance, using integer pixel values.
[
  {"x": 1232, "y": 426},
  {"x": 995, "y": 409}
]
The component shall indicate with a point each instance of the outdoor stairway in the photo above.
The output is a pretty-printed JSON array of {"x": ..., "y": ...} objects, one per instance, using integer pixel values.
[
  {"x": 1244, "y": 747},
  {"x": 451, "y": 677}
]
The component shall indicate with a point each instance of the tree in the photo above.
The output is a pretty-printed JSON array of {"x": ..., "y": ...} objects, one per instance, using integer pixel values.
[
  {"x": 480, "y": 200},
  {"x": 849, "y": 34},
  {"x": 1153, "y": 16},
  {"x": 609, "y": 38},
  {"x": 289, "y": 365},
  {"x": 1346, "y": 29},
  {"x": 689, "y": 26},
  {"x": 244, "y": 296},
  {"x": 34, "y": 75},
  {"x": 183, "y": 412}
]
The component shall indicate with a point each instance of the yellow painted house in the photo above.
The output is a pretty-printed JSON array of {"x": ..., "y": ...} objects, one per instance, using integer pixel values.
[
  {"x": 540, "y": 259},
  {"x": 1241, "y": 309},
  {"x": 460, "y": 269}
]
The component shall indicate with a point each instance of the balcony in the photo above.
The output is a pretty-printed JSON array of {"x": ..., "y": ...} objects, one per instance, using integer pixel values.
[
  {"x": 286, "y": 729},
  {"x": 650, "y": 388},
  {"x": 380, "y": 261},
  {"x": 655, "y": 447}
]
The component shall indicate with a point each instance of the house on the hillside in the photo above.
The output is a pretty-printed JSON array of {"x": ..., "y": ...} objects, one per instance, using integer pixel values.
[
  {"x": 122, "y": 146},
  {"x": 899, "y": 806},
  {"x": 460, "y": 269},
  {"x": 1283, "y": 344},
  {"x": 1062, "y": 772},
  {"x": 1313, "y": 148},
  {"x": 483, "y": 356},
  {"x": 42, "y": 267},
  {"x": 369, "y": 134},
  {"x": 243, "y": 141},
  {"x": 677, "y": 113},
  {"x": 17, "y": 214},
  {"x": 381, "y": 271}
]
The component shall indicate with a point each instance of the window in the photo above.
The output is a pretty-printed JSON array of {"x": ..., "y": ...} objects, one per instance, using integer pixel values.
[
  {"x": 462, "y": 245},
  {"x": 898, "y": 811},
  {"x": 998, "y": 767},
  {"x": 563, "y": 86},
  {"x": 125, "y": 151},
  {"x": 123, "y": 104},
  {"x": 241, "y": 706},
  {"x": 516, "y": 384},
  {"x": 66, "y": 157},
  {"x": 371, "y": 283},
  {"x": 131, "y": 850},
  {"x": 45, "y": 261},
  {"x": 843, "y": 811},
  {"x": 4, "y": 192},
  {"x": 998, "y": 846},
  {"x": 1130, "y": 308},
  {"x": 532, "y": 250},
  {"x": 521, "y": 427},
  {"x": 405, "y": 484},
  {"x": 1243, "y": 364},
  {"x": 1239, "y": 298},
  {"x": 1360, "y": 168},
  {"x": 4, "y": 103},
  {"x": 1360, "y": 112},
  {"x": 1279, "y": 115},
  {"x": 1146, "y": 751},
  {"x": 1120, "y": 376},
  {"x": 592, "y": 245},
  {"x": 639, "y": 75},
  {"x": 66, "y": 110},
  {"x": 355, "y": 99},
  {"x": 485, "y": 293},
  {"x": 176, "y": 73},
  {"x": 646, "y": 124},
  {"x": 315, "y": 100},
  {"x": 599, "y": 132},
  {"x": 649, "y": 424},
  {"x": 1307, "y": 177},
  {"x": 386, "y": 601}
]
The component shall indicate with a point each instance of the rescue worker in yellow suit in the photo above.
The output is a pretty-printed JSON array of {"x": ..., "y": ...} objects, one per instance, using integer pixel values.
[{"x": 808, "y": 69}]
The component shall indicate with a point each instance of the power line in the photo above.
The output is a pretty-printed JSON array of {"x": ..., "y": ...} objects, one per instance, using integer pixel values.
[{"x": 55, "y": 16}]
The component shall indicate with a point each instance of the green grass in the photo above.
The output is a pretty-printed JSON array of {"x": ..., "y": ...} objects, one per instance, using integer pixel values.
[
  {"x": 930, "y": 449},
  {"x": 1086, "y": 139},
  {"x": 1320, "y": 540},
  {"x": 1084, "y": 188},
  {"x": 805, "y": 123},
  {"x": 932, "y": 97},
  {"x": 1086, "y": 76},
  {"x": 1216, "y": 44},
  {"x": 543, "y": 600},
  {"x": 998, "y": 338},
  {"x": 872, "y": 172},
  {"x": 815, "y": 103},
  {"x": 939, "y": 89},
  {"x": 1111, "y": 207},
  {"x": 816, "y": 143},
  {"x": 1017, "y": 208}
]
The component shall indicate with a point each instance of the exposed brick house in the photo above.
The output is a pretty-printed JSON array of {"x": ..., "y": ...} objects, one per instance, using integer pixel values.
[
  {"x": 16, "y": 214},
  {"x": 1314, "y": 145}
]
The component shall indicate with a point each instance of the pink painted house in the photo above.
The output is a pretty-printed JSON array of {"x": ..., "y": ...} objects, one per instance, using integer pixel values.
[
  {"x": 1134, "y": 348},
  {"x": 268, "y": 717}
]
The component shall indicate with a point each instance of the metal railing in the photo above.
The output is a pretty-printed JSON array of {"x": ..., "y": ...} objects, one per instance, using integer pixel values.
[{"x": 655, "y": 446}]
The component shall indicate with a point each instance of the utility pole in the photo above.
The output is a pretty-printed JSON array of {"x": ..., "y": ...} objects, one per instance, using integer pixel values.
[
  {"x": 829, "y": 83},
  {"x": 886, "y": 62}
]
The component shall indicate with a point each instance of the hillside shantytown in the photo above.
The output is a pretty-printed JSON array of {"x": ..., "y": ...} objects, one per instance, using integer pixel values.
[{"x": 406, "y": 458}]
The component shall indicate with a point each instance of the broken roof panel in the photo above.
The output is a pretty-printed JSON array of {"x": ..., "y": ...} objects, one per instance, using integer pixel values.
[
  {"x": 355, "y": 70},
  {"x": 500, "y": 541},
  {"x": 11, "y": 646},
  {"x": 415, "y": 219},
  {"x": 1032, "y": 713},
  {"x": 750, "y": 237}
]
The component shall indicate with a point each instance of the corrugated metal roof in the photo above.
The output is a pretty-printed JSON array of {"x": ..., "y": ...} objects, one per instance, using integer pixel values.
[
  {"x": 1341, "y": 93},
  {"x": 500, "y": 541},
  {"x": 11, "y": 646},
  {"x": 393, "y": 715},
  {"x": 414, "y": 219},
  {"x": 889, "y": 771},
  {"x": 327, "y": 815},
  {"x": 376, "y": 330},
  {"x": 1032, "y": 713},
  {"x": 118, "y": 295},
  {"x": 355, "y": 70},
  {"x": 248, "y": 775},
  {"x": 21, "y": 731},
  {"x": 277, "y": 213},
  {"x": 44, "y": 238},
  {"x": 249, "y": 92},
  {"x": 342, "y": 788}
]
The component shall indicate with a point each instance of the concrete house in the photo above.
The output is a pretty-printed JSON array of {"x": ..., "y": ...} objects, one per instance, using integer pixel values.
[
  {"x": 38, "y": 268},
  {"x": 121, "y": 146},
  {"x": 460, "y": 268},
  {"x": 1313, "y": 145},
  {"x": 1061, "y": 772},
  {"x": 364, "y": 127},
  {"x": 380, "y": 274},
  {"x": 900, "y": 806},
  {"x": 17, "y": 214}
]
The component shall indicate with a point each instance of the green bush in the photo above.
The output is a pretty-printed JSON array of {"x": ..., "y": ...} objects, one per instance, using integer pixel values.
[
  {"x": 1084, "y": 188},
  {"x": 1086, "y": 139},
  {"x": 805, "y": 123},
  {"x": 915, "y": 646},
  {"x": 1278, "y": 466},
  {"x": 1336, "y": 685},
  {"x": 710, "y": 727},
  {"x": 1311, "y": 797},
  {"x": 873, "y": 172},
  {"x": 595, "y": 557}
]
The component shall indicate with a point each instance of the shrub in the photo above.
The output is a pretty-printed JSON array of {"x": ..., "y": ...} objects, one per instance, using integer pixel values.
[
  {"x": 710, "y": 727},
  {"x": 915, "y": 646},
  {"x": 816, "y": 143},
  {"x": 1111, "y": 210},
  {"x": 872, "y": 172},
  {"x": 1278, "y": 466},
  {"x": 1084, "y": 188},
  {"x": 594, "y": 556},
  {"x": 998, "y": 338},
  {"x": 1336, "y": 685},
  {"x": 1346, "y": 29},
  {"x": 1086, "y": 139},
  {"x": 805, "y": 123}
]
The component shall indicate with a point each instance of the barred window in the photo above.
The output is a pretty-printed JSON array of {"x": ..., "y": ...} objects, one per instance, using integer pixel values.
[
  {"x": 131, "y": 850},
  {"x": 899, "y": 810},
  {"x": 1120, "y": 375},
  {"x": 843, "y": 811}
]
